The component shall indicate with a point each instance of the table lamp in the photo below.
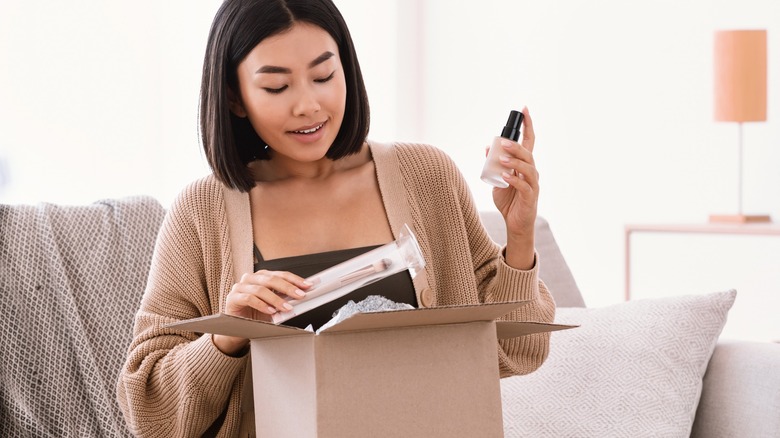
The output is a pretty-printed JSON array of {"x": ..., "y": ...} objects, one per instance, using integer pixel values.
[{"x": 740, "y": 93}]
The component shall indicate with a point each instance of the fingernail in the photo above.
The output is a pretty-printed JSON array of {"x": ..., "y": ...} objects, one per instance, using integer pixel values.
[
  {"x": 271, "y": 309},
  {"x": 504, "y": 158},
  {"x": 287, "y": 306},
  {"x": 506, "y": 175},
  {"x": 506, "y": 143},
  {"x": 300, "y": 293}
]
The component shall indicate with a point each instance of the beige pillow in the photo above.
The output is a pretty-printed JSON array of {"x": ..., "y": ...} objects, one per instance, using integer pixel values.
[{"x": 631, "y": 369}]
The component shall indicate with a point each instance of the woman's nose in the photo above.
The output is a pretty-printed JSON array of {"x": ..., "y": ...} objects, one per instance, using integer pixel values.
[{"x": 307, "y": 103}]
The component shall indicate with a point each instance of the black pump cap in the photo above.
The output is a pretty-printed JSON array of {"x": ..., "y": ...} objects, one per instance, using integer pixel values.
[{"x": 512, "y": 128}]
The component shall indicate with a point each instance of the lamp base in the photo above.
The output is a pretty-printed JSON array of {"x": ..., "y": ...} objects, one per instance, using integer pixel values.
[{"x": 739, "y": 218}]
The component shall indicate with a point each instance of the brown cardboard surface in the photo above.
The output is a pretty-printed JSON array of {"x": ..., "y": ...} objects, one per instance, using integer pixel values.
[
  {"x": 285, "y": 389},
  {"x": 416, "y": 381},
  {"x": 513, "y": 329},
  {"x": 229, "y": 325},
  {"x": 424, "y": 372},
  {"x": 252, "y": 329}
]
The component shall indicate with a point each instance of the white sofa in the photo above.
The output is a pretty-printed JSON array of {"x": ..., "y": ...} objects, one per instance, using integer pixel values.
[
  {"x": 738, "y": 396},
  {"x": 72, "y": 277}
]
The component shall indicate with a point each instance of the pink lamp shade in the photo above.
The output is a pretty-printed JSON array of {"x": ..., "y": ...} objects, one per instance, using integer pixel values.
[
  {"x": 740, "y": 75},
  {"x": 740, "y": 93}
]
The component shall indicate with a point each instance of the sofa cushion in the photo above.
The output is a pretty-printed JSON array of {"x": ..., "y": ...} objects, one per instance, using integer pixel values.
[
  {"x": 741, "y": 394},
  {"x": 629, "y": 369},
  {"x": 72, "y": 278}
]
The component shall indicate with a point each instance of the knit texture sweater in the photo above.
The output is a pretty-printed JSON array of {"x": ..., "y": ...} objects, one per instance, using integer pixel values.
[{"x": 177, "y": 383}]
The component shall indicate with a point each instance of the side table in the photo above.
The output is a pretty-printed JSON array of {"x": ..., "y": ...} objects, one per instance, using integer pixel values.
[{"x": 756, "y": 229}]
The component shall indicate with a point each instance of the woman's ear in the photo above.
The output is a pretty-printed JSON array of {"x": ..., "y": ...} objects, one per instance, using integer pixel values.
[{"x": 235, "y": 104}]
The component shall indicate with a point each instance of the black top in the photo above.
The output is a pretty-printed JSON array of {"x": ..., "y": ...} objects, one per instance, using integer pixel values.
[{"x": 397, "y": 287}]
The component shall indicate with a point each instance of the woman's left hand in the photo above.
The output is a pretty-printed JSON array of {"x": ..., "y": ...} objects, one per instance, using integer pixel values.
[{"x": 518, "y": 202}]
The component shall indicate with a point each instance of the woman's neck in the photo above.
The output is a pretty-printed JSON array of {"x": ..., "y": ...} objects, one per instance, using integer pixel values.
[{"x": 282, "y": 168}]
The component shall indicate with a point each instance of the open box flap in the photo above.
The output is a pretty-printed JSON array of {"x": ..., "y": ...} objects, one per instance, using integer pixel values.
[
  {"x": 252, "y": 329},
  {"x": 229, "y": 325},
  {"x": 513, "y": 329},
  {"x": 424, "y": 316}
]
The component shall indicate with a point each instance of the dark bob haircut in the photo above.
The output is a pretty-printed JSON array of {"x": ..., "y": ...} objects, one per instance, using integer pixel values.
[{"x": 230, "y": 142}]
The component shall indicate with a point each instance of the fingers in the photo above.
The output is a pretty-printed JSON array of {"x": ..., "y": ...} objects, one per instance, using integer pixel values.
[
  {"x": 516, "y": 151},
  {"x": 282, "y": 282},
  {"x": 520, "y": 173},
  {"x": 529, "y": 138},
  {"x": 265, "y": 291},
  {"x": 526, "y": 181},
  {"x": 242, "y": 298},
  {"x": 519, "y": 164}
]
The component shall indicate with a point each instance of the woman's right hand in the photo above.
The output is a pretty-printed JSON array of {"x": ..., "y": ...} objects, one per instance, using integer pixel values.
[{"x": 257, "y": 294}]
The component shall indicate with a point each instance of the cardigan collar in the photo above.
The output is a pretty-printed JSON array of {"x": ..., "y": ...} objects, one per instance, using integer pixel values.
[{"x": 394, "y": 199}]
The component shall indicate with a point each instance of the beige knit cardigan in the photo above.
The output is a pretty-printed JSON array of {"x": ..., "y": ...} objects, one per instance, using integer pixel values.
[{"x": 176, "y": 383}]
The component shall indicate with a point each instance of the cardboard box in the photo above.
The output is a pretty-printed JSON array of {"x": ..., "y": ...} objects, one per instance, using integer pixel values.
[{"x": 407, "y": 373}]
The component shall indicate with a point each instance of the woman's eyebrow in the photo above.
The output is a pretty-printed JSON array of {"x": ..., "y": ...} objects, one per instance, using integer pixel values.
[
  {"x": 320, "y": 59},
  {"x": 275, "y": 69}
]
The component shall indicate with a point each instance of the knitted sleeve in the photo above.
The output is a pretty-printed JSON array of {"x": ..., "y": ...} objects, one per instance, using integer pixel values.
[
  {"x": 178, "y": 383},
  {"x": 462, "y": 241},
  {"x": 499, "y": 282}
]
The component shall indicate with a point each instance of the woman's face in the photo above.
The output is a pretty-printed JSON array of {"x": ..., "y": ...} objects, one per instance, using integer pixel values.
[{"x": 293, "y": 91}]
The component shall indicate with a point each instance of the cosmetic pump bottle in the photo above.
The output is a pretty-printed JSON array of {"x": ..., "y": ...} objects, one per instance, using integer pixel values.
[{"x": 491, "y": 172}]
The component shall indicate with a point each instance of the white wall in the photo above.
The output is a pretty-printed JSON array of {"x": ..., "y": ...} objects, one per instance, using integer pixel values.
[
  {"x": 621, "y": 97},
  {"x": 99, "y": 99}
]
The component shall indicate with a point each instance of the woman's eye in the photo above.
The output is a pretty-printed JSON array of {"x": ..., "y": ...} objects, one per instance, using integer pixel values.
[
  {"x": 323, "y": 80},
  {"x": 275, "y": 90}
]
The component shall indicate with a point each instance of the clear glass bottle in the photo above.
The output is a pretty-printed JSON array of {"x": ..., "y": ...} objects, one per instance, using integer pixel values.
[{"x": 491, "y": 172}]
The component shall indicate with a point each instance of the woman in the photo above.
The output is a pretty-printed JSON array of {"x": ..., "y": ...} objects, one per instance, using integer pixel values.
[{"x": 284, "y": 121}]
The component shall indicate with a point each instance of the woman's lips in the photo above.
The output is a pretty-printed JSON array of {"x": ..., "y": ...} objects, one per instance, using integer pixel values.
[
  {"x": 309, "y": 130},
  {"x": 309, "y": 134}
]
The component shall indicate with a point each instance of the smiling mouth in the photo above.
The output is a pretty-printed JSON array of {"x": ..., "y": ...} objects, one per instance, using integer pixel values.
[{"x": 309, "y": 131}]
